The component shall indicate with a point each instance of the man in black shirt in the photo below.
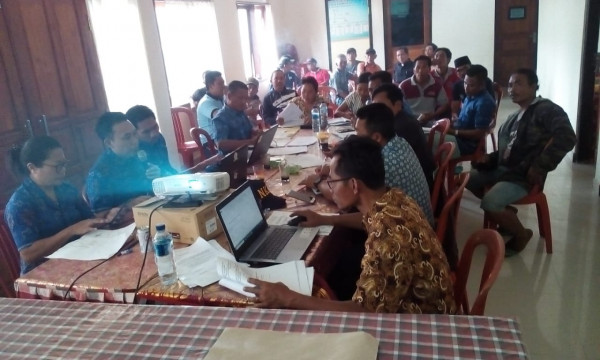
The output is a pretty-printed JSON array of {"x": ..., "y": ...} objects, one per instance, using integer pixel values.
[{"x": 404, "y": 67}]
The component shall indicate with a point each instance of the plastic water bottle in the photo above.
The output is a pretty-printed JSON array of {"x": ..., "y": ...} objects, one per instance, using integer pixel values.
[
  {"x": 315, "y": 114},
  {"x": 163, "y": 255},
  {"x": 323, "y": 116}
]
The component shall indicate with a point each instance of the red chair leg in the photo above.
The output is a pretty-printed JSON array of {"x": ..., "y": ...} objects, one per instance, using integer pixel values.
[{"x": 544, "y": 221}]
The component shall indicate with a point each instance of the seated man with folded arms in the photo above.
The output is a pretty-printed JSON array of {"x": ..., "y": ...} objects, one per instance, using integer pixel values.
[
  {"x": 211, "y": 102},
  {"x": 404, "y": 269},
  {"x": 119, "y": 178},
  {"x": 233, "y": 128},
  {"x": 402, "y": 168},
  {"x": 277, "y": 99},
  {"x": 356, "y": 99},
  {"x": 407, "y": 127},
  {"x": 476, "y": 115},
  {"x": 531, "y": 143},
  {"x": 340, "y": 78},
  {"x": 150, "y": 139},
  {"x": 352, "y": 66},
  {"x": 425, "y": 94}
]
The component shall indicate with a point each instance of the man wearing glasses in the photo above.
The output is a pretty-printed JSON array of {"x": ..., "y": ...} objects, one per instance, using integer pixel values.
[{"x": 404, "y": 269}]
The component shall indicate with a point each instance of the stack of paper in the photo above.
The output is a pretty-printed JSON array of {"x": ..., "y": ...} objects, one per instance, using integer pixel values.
[
  {"x": 291, "y": 115},
  {"x": 95, "y": 245},
  {"x": 287, "y": 150},
  {"x": 294, "y": 274},
  {"x": 197, "y": 264},
  {"x": 339, "y": 121}
]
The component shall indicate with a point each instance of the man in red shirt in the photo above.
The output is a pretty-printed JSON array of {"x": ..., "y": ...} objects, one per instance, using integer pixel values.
[
  {"x": 447, "y": 75},
  {"x": 321, "y": 75}
]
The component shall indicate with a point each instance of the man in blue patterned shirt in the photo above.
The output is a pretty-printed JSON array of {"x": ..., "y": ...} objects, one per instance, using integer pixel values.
[
  {"x": 118, "y": 178},
  {"x": 402, "y": 168},
  {"x": 232, "y": 126}
]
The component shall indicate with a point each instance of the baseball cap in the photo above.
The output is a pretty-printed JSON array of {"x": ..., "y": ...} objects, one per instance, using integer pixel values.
[
  {"x": 284, "y": 60},
  {"x": 460, "y": 61},
  {"x": 371, "y": 51},
  {"x": 311, "y": 60},
  {"x": 252, "y": 81}
]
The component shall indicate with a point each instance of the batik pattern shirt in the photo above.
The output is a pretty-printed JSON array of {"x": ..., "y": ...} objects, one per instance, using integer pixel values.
[
  {"x": 404, "y": 269},
  {"x": 31, "y": 215}
]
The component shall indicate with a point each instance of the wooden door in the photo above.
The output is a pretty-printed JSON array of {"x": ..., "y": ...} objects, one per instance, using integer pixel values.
[
  {"x": 515, "y": 37},
  {"x": 49, "y": 69}
]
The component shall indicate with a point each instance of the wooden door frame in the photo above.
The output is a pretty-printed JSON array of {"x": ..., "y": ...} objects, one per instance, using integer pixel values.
[{"x": 587, "y": 140}]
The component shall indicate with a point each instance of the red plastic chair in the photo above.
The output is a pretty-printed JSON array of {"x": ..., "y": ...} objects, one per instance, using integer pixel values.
[
  {"x": 449, "y": 212},
  {"x": 493, "y": 263},
  {"x": 536, "y": 196},
  {"x": 207, "y": 150},
  {"x": 442, "y": 159},
  {"x": 440, "y": 126},
  {"x": 9, "y": 260},
  {"x": 183, "y": 120}
]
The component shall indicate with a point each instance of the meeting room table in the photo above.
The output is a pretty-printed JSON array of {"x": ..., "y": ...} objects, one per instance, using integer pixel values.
[{"x": 35, "y": 329}]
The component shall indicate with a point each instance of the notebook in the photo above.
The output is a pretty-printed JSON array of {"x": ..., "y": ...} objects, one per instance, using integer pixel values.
[
  {"x": 262, "y": 145},
  {"x": 235, "y": 164},
  {"x": 249, "y": 236}
]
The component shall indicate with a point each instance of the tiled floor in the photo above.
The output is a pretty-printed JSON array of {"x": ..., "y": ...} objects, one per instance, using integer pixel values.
[{"x": 555, "y": 297}]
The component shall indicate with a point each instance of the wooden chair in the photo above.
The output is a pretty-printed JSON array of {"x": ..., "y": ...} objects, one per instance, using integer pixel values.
[
  {"x": 209, "y": 149},
  {"x": 536, "y": 196},
  {"x": 183, "y": 120},
  {"x": 449, "y": 212},
  {"x": 442, "y": 159},
  {"x": 441, "y": 127},
  {"x": 9, "y": 260},
  {"x": 493, "y": 263}
]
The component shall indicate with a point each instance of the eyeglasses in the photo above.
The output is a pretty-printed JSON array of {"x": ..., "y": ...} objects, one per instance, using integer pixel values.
[
  {"x": 329, "y": 182},
  {"x": 58, "y": 167}
]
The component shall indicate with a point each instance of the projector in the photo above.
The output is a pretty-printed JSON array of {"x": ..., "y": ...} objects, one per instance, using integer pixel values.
[{"x": 191, "y": 184}]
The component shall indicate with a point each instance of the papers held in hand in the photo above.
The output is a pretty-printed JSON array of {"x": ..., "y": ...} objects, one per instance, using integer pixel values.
[
  {"x": 292, "y": 116},
  {"x": 294, "y": 274}
]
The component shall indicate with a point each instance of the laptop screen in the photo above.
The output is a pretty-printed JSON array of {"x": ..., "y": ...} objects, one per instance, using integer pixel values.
[{"x": 241, "y": 216}]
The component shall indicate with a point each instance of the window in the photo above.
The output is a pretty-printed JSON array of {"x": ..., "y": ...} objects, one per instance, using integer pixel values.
[
  {"x": 258, "y": 40},
  {"x": 407, "y": 22},
  {"x": 190, "y": 43}
]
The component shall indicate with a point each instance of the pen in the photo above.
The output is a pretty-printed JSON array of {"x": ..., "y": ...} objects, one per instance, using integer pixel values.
[{"x": 126, "y": 251}]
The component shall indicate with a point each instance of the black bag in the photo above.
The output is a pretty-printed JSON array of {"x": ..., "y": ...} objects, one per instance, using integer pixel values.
[{"x": 266, "y": 199}]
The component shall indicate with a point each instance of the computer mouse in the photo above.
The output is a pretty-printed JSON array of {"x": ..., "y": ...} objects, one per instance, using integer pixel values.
[{"x": 296, "y": 220}]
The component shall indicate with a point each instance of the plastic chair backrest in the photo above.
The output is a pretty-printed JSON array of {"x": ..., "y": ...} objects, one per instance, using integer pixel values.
[
  {"x": 183, "y": 120},
  {"x": 442, "y": 159},
  {"x": 450, "y": 210},
  {"x": 440, "y": 126},
  {"x": 9, "y": 256},
  {"x": 493, "y": 263},
  {"x": 195, "y": 133}
]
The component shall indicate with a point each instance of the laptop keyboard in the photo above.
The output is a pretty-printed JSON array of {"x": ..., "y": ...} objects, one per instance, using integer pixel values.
[{"x": 274, "y": 243}]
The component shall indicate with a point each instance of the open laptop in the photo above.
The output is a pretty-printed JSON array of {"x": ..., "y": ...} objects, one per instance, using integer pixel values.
[
  {"x": 249, "y": 236},
  {"x": 235, "y": 164},
  {"x": 263, "y": 143}
]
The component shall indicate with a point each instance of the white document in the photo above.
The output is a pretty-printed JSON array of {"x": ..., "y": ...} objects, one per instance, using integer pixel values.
[
  {"x": 294, "y": 274},
  {"x": 339, "y": 121},
  {"x": 305, "y": 160},
  {"x": 197, "y": 264},
  {"x": 302, "y": 141},
  {"x": 292, "y": 116},
  {"x": 95, "y": 245},
  {"x": 278, "y": 151}
]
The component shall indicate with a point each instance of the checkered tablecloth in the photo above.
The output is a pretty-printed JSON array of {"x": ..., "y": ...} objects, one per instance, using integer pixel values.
[{"x": 35, "y": 329}]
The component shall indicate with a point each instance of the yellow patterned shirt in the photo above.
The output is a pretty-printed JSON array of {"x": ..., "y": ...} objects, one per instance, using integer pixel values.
[{"x": 404, "y": 269}]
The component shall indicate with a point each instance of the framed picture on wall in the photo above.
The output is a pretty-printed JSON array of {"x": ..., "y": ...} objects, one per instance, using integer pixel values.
[{"x": 348, "y": 26}]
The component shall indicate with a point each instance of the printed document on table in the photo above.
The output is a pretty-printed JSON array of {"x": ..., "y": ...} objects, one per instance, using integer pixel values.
[
  {"x": 294, "y": 274},
  {"x": 95, "y": 245},
  {"x": 292, "y": 116},
  {"x": 197, "y": 264},
  {"x": 302, "y": 141},
  {"x": 304, "y": 160},
  {"x": 339, "y": 121}
]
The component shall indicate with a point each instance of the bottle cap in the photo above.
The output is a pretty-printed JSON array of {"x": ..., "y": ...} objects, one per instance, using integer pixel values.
[{"x": 160, "y": 227}]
